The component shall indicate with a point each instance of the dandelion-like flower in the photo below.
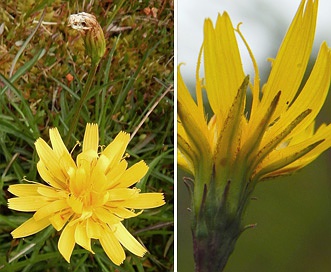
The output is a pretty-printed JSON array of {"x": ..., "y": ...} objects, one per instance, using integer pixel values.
[
  {"x": 88, "y": 198},
  {"x": 239, "y": 146}
]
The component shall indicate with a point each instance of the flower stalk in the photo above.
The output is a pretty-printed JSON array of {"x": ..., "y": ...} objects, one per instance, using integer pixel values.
[
  {"x": 82, "y": 100},
  {"x": 215, "y": 231},
  {"x": 95, "y": 45}
]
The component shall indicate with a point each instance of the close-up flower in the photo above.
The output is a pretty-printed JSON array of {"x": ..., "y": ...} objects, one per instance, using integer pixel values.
[
  {"x": 88, "y": 198},
  {"x": 243, "y": 143}
]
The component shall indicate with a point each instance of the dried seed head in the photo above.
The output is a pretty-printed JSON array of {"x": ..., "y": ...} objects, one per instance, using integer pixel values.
[
  {"x": 94, "y": 38},
  {"x": 82, "y": 21}
]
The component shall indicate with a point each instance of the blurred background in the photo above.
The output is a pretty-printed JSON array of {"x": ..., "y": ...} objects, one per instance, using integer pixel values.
[{"x": 293, "y": 219}]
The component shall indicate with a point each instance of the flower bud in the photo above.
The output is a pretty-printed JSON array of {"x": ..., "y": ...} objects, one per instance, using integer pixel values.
[{"x": 94, "y": 38}]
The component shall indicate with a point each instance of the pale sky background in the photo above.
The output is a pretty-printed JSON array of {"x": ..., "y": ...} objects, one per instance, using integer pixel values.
[{"x": 265, "y": 23}]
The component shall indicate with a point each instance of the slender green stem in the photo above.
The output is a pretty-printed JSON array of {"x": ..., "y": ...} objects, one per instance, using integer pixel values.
[
  {"x": 216, "y": 226},
  {"x": 212, "y": 249},
  {"x": 81, "y": 101}
]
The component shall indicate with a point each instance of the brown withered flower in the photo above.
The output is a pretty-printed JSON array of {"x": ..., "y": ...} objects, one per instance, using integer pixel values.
[{"x": 93, "y": 36}]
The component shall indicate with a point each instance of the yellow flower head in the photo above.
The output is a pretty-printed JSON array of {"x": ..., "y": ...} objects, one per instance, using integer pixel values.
[
  {"x": 239, "y": 146},
  {"x": 88, "y": 198}
]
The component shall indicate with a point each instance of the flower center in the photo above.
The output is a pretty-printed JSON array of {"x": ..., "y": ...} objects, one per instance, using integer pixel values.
[{"x": 84, "y": 197}]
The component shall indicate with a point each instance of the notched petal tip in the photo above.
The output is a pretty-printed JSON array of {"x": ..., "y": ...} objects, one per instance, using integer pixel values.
[{"x": 91, "y": 137}]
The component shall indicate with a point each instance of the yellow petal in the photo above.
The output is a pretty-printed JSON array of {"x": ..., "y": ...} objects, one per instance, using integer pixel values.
[
  {"x": 311, "y": 97},
  {"x": 87, "y": 160},
  {"x": 60, "y": 149},
  {"x": 145, "y": 201},
  {"x": 115, "y": 173},
  {"x": 50, "y": 208},
  {"x": 185, "y": 163},
  {"x": 48, "y": 158},
  {"x": 25, "y": 189},
  {"x": 271, "y": 142},
  {"x": 75, "y": 204},
  {"x": 99, "y": 180},
  {"x": 30, "y": 227},
  {"x": 80, "y": 181},
  {"x": 303, "y": 135},
  {"x": 58, "y": 220},
  {"x": 115, "y": 150},
  {"x": 49, "y": 177},
  {"x": 98, "y": 174},
  {"x": 132, "y": 175},
  {"x": 117, "y": 194},
  {"x": 102, "y": 164},
  {"x": 91, "y": 138},
  {"x": 223, "y": 68},
  {"x": 315, "y": 91},
  {"x": 67, "y": 242},
  {"x": 51, "y": 192},
  {"x": 98, "y": 198},
  {"x": 186, "y": 149},
  {"x": 106, "y": 216},
  {"x": 27, "y": 203},
  {"x": 252, "y": 140},
  {"x": 112, "y": 247},
  {"x": 128, "y": 241},
  {"x": 198, "y": 84},
  {"x": 324, "y": 134},
  {"x": 195, "y": 127},
  {"x": 123, "y": 213},
  {"x": 82, "y": 238},
  {"x": 283, "y": 157},
  {"x": 291, "y": 61},
  {"x": 95, "y": 229}
]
